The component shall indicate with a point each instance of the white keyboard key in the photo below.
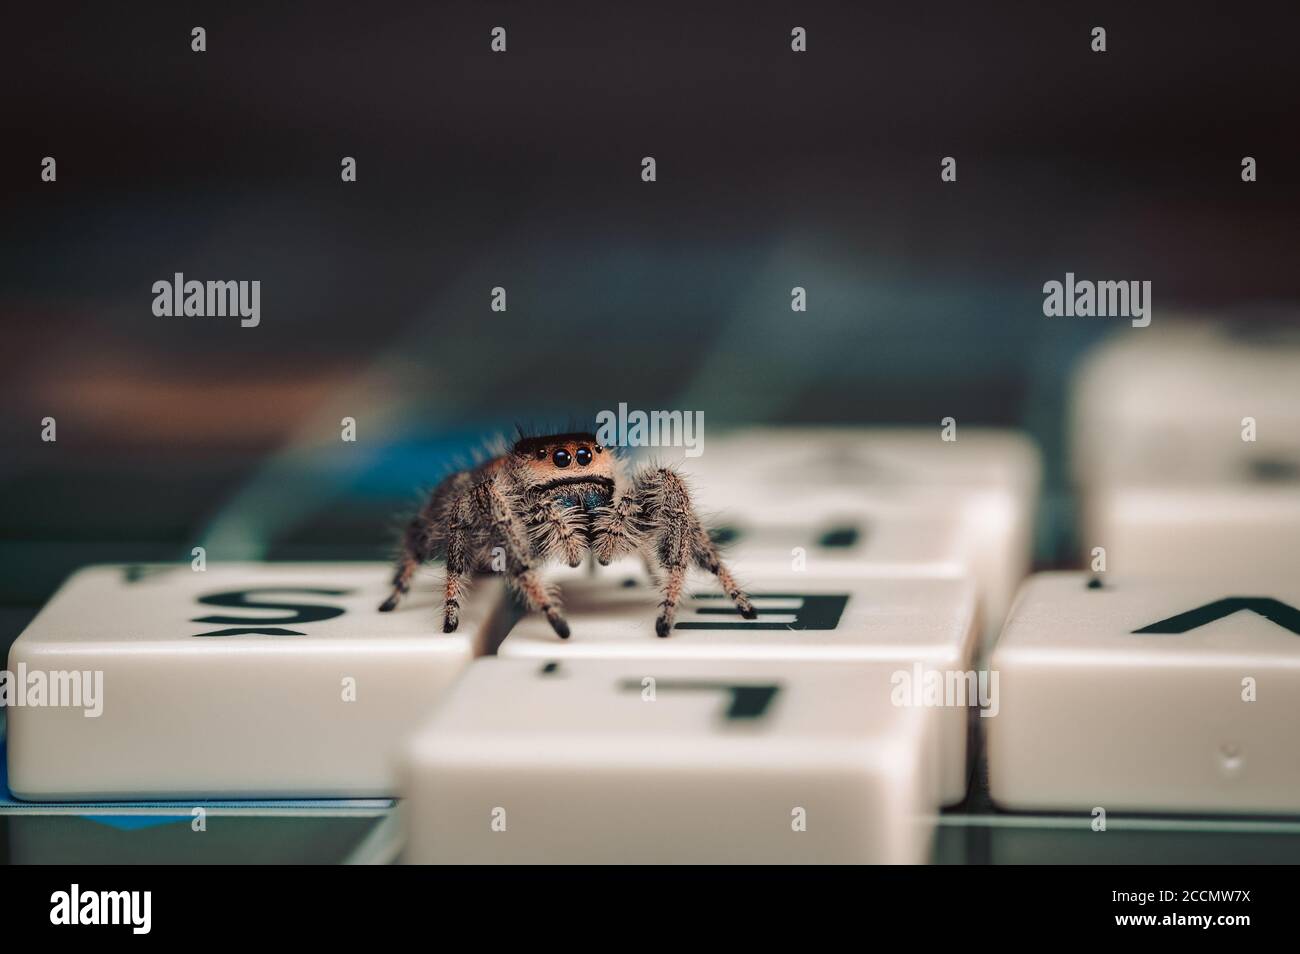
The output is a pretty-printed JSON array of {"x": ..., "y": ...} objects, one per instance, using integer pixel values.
[
  {"x": 1182, "y": 532},
  {"x": 844, "y": 539},
  {"x": 985, "y": 535},
  {"x": 998, "y": 528},
  {"x": 902, "y": 622},
  {"x": 1166, "y": 404},
  {"x": 1186, "y": 448},
  {"x": 1149, "y": 696},
  {"x": 243, "y": 680},
  {"x": 796, "y": 463},
  {"x": 636, "y": 761},
  {"x": 986, "y": 483}
]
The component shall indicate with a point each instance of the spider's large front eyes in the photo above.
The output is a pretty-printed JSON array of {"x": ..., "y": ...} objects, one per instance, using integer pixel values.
[
  {"x": 584, "y": 456},
  {"x": 562, "y": 458}
]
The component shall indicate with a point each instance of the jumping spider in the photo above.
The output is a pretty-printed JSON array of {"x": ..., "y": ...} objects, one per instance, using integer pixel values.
[{"x": 559, "y": 496}]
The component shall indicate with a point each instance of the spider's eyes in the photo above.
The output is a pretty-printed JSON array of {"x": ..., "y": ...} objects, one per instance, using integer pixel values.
[
  {"x": 562, "y": 458},
  {"x": 584, "y": 456},
  {"x": 541, "y": 453}
]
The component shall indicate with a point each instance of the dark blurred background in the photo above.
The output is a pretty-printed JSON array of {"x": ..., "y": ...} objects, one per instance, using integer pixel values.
[{"x": 522, "y": 170}]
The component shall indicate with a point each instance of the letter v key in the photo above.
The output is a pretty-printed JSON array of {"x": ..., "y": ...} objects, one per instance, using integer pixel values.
[{"x": 1267, "y": 607}]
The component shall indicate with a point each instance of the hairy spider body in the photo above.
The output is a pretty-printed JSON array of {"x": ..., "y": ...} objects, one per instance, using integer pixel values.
[{"x": 558, "y": 497}]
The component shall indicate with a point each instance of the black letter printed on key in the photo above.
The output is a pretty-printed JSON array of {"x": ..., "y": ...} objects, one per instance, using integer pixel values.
[
  {"x": 1274, "y": 610},
  {"x": 814, "y": 612},
  {"x": 747, "y": 702},
  {"x": 301, "y": 612}
]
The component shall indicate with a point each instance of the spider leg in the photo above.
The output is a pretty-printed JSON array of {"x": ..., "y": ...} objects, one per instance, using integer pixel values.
[
  {"x": 407, "y": 564},
  {"x": 430, "y": 529},
  {"x": 672, "y": 556},
  {"x": 416, "y": 547},
  {"x": 457, "y": 567},
  {"x": 666, "y": 507},
  {"x": 508, "y": 528},
  {"x": 707, "y": 558}
]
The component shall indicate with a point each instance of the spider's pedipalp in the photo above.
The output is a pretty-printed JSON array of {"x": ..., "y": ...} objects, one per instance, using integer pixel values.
[
  {"x": 615, "y": 529},
  {"x": 554, "y": 528}
]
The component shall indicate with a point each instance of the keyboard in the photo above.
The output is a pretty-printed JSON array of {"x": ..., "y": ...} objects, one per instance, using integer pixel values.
[{"x": 918, "y": 685}]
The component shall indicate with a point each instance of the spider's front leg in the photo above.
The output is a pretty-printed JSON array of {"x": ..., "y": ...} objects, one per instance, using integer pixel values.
[
  {"x": 679, "y": 539},
  {"x": 509, "y": 528}
]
